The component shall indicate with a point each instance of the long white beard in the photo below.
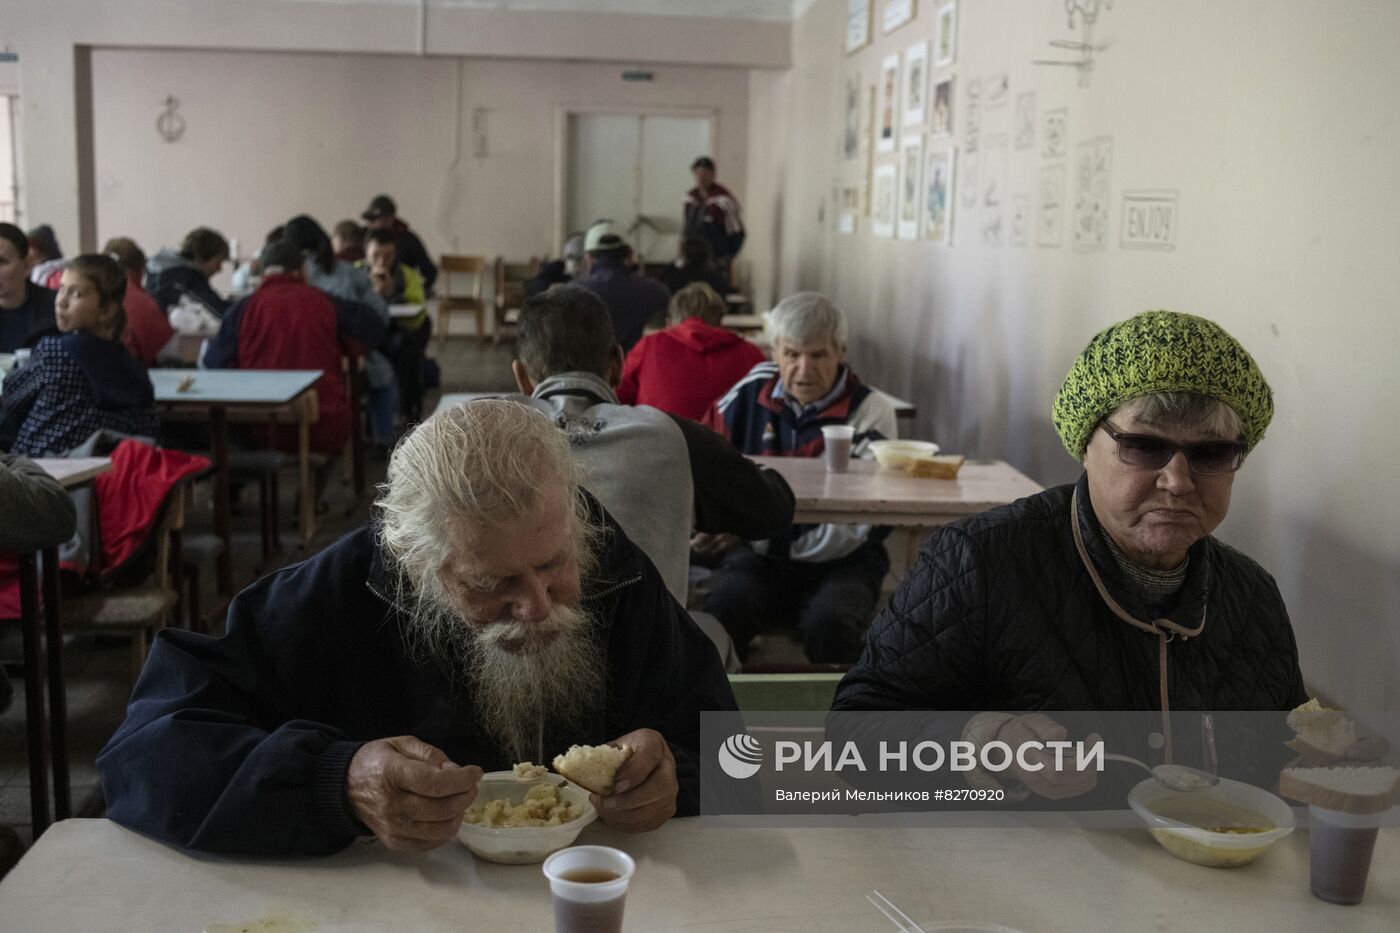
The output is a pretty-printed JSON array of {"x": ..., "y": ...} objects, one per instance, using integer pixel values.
[{"x": 515, "y": 693}]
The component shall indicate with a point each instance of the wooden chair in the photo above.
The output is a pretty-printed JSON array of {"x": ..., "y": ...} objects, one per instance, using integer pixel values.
[
  {"x": 510, "y": 293},
  {"x": 468, "y": 302},
  {"x": 784, "y": 691},
  {"x": 141, "y": 610}
]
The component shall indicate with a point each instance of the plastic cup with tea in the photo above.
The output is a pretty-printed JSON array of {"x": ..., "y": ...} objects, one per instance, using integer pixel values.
[
  {"x": 589, "y": 884},
  {"x": 1339, "y": 849},
  {"x": 837, "y": 439}
]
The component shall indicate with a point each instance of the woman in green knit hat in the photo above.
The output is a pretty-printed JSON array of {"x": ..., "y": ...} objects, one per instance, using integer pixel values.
[{"x": 1109, "y": 593}]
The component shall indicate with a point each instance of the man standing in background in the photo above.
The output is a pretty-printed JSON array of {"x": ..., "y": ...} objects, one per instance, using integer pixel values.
[{"x": 712, "y": 214}]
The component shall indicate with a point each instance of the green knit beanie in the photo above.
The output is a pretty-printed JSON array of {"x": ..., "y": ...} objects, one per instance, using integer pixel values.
[{"x": 1160, "y": 351}]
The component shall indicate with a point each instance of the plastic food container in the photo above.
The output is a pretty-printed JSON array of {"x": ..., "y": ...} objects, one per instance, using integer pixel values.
[
  {"x": 895, "y": 454},
  {"x": 523, "y": 845},
  {"x": 1202, "y": 846}
]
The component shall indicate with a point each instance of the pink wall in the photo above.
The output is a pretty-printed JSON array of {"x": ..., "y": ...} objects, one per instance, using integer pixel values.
[{"x": 271, "y": 134}]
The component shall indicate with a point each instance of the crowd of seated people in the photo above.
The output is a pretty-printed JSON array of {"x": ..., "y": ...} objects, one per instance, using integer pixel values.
[{"x": 508, "y": 526}]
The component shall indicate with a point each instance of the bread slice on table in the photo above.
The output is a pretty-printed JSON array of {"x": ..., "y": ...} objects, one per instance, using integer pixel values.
[
  {"x": 1368, "y": 789},
  {"x": 592, "y": 767},
  {"x": 940, "y": 467},
  {"x": 1321, "y": 735}
]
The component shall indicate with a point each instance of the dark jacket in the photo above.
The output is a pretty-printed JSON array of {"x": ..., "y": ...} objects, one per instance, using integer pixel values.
[
  {"x": 632, "y": 299},
  {"x": 73, "y": 385},
  {"x": 1000, "y": 614},
  {"x": 412, "y": 252},
  {"x": 169, "y": 275},
  {"x": 242, "y": 743},
  {"x": 23, "y": 326}
]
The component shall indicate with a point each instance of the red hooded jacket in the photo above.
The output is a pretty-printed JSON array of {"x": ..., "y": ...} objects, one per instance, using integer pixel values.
[{"x": 684, "y": 369}]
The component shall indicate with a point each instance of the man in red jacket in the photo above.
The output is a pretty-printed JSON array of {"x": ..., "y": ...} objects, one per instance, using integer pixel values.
[
  {"x": 288, "y": 324},
  {"x": 684, "y": 369}
]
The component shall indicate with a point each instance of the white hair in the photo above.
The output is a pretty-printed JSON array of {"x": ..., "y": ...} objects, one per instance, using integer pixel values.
[
  {"x": 805, "y": 318},
  {"x": 487, "y": 462},
  {"x": 1183, "y": 409}
]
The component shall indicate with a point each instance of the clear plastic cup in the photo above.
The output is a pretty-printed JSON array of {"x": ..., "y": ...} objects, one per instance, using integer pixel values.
[
  {"x": 589, "y": 884},
  {"x": 1339, "y": 850},
  {"x": 837, "y": 439}
]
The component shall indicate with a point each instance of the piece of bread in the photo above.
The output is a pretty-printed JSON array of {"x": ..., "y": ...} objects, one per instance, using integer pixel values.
[
  {"x": 592, "y": 767},
  {"x": 1322, "y": 735},
  {"x": 942, "y": 467},
  {"x": 1367, "y": 789}
]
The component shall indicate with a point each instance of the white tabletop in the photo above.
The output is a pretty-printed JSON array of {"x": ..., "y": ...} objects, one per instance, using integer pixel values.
[
  {"x": 398, "y": 311},
  {"x": 74, "y": 471},
  {"x": 232, "y": 386},
  {"x": 93, "y": 876},
  {"x": 871, "y": 493},
  {"x": 453, "y": 399},
  {"x": 743, "y": 321}
]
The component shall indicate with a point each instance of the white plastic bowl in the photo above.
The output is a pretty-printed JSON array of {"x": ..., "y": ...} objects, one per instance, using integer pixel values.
[
  {"x": 1201, "y": 846},
  {"x": 523, "y": 845},
  {"x": 895, "y": 454}
]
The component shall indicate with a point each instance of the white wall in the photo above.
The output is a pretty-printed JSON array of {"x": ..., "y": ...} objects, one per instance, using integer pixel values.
[
  {"x": 51, "y": 36},
  {"x": 272, "y": 134},
  {"x": 1277, "y": 124}
]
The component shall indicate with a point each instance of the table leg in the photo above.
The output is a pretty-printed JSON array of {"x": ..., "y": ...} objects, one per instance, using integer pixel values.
[
  {"x": 58, "y": 688},
  {"x": 308, "y": 491},
  {"x": 34, "y": 695},
  {"x": 218, "y": 429},
  {"x": 357, "y": 432}
]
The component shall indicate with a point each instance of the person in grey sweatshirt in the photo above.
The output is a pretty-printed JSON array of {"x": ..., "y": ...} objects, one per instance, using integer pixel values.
[{"x": 659, "y": 475}]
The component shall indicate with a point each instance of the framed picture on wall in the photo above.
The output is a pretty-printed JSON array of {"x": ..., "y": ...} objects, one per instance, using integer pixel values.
[
  {"x": 857, "y": 25},
  {"x": 916, "y": 84},
  {"x": 938, "y": 195},
  {"x": 896, "y": 14},
  {"x": 945, "y": 35},
  {"x": 850, "y": 134},
  {"x": 887, "y": 125},
  {"x": 883, "y": 201},
  {"x": 911, "y": 159},
  {"x": 941, "y": 123}
]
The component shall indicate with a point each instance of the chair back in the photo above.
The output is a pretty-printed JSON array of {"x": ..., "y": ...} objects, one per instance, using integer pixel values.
[{"x": 473, "y": 266}]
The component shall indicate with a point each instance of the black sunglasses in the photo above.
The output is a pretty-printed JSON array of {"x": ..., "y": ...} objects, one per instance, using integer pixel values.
[{"x": 1153, "y": 453}]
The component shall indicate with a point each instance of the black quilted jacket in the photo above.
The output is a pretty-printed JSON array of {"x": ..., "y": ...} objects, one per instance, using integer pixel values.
[{"x": 999, "y": 614}]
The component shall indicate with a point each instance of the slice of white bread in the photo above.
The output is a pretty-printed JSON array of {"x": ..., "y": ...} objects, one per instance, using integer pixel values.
[
  {"x": 940, "y": 467},
  {"x": 1368, "y": 789},
  {"x": 1321, "y": 734},
  {"x": 592, "y": 767}
]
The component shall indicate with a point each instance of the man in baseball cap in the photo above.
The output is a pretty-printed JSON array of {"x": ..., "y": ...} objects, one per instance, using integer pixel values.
[
  {"x": 382, "y": 214},
  {"x": 632, "y": 299}
]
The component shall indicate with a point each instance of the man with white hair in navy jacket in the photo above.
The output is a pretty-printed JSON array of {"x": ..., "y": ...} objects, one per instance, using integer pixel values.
[{"x": 493, "y": 614}]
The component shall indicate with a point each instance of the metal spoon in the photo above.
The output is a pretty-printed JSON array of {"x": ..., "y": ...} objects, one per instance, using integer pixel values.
[{"x": 1173, "y": 777}]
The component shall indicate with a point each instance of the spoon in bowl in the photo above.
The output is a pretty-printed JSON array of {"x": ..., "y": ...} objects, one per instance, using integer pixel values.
[{"x": 1173, "y": 777}]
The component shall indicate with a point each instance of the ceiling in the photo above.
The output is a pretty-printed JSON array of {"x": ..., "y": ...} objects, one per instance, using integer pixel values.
[{"x": 771, "y": 10}]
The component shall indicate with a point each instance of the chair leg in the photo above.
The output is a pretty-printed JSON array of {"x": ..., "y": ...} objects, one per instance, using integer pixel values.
[
  {"x": 274, "y": 511},
  {"x": 194, "y": 617},
  {"x": 265, "y": 517}
]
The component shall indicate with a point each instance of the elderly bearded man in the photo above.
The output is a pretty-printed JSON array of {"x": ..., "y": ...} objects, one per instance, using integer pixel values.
[{"x": 494, "y": 613}]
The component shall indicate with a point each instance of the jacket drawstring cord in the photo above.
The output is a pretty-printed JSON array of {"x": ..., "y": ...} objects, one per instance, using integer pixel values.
[{"x": 1164, "y": 629}]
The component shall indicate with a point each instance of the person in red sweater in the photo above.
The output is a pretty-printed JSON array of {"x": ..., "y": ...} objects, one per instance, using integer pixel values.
[
  {"x": 685, "y": 368},
  {"x": 288, "y": 324},
  {"x": 148, "y": 330}
]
